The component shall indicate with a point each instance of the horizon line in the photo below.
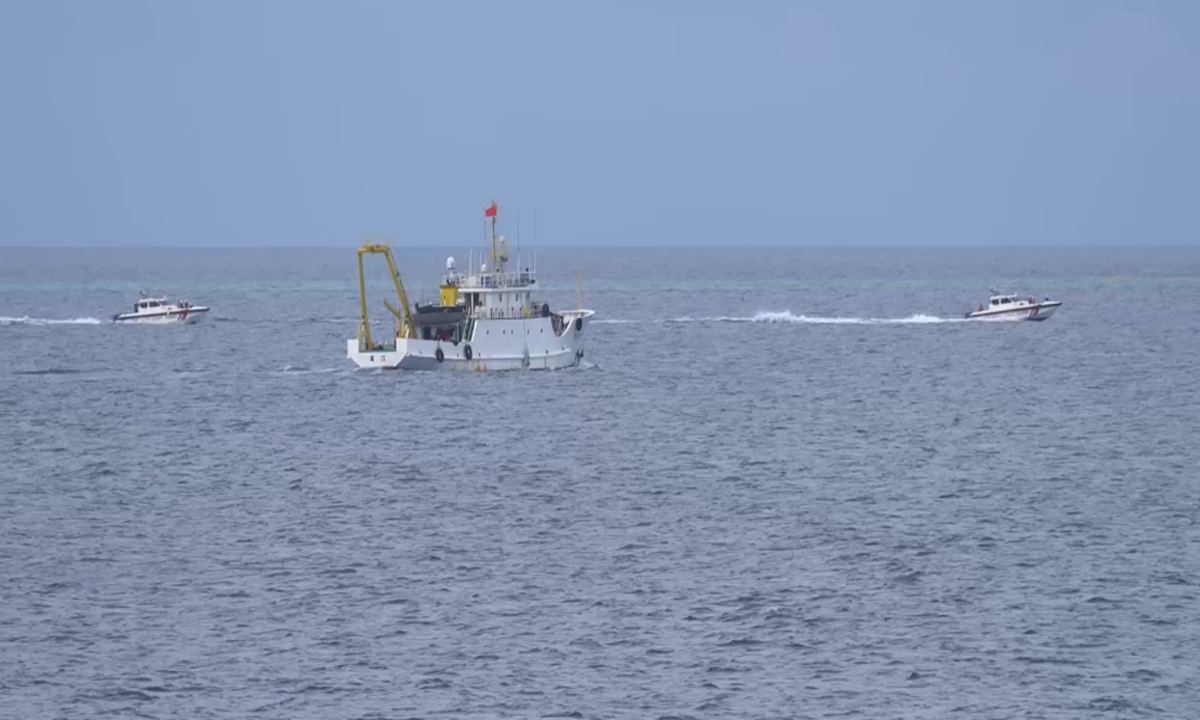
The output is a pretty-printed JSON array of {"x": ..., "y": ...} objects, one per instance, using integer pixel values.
[{"x": 631, "y": 248}]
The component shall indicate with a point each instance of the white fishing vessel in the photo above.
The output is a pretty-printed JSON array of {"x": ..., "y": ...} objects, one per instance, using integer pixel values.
[
  {"x": 486, "y": 318},
  {"x": 159, "y": 311},
  {"x": 1014, "y": 307}
]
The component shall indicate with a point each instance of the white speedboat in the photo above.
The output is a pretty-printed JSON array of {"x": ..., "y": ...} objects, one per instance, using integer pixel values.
[
  {"x": 159, "y": 311},
  {"x": 1014, "y": 307},
  {"x": 485, "y": 319}
]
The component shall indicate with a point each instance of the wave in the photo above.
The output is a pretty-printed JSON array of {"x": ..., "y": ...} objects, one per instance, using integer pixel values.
[{"x": 49, "y": 321}]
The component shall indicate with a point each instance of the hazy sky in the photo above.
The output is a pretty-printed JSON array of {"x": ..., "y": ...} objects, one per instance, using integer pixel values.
[{"x": 646, "y": 122}]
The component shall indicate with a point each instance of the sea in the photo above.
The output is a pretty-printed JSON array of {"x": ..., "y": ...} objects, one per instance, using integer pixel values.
[{"x": 782, "y": 484}]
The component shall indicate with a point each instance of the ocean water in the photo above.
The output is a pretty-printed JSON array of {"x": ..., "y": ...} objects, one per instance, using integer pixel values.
[{"x": 785, "y": 484}]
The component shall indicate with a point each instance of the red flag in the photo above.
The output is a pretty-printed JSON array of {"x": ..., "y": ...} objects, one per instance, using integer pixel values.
[{"x": 491, "y": 212}]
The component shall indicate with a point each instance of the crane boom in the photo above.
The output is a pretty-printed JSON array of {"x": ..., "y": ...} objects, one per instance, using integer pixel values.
[{"x": 404, "y": 313}]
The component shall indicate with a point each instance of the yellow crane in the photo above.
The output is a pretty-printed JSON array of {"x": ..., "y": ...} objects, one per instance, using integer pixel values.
[{"x": 407, "y": 327}]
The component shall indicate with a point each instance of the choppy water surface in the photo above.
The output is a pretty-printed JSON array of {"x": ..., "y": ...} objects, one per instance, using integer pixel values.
[{"x": 786, "y": 484}]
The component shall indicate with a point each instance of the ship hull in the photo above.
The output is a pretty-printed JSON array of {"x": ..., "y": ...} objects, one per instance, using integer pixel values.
[
  {"x": 191, "y": 316},
  {"x": 495, "y": 345},
  {"x": 1035, "y": 312}
]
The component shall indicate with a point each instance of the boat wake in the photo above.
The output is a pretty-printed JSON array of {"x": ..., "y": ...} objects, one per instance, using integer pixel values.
[
  {"x": 788, "y": 317},
  {"x": 49, "y": 321},
  {"x": 302, "y": 370}
]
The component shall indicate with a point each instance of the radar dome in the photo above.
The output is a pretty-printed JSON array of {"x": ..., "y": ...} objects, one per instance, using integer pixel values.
[{"x": 450, "y": 263}]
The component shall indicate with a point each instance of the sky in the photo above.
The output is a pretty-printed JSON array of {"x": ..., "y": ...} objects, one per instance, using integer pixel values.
[{"x": 848, "y": 123}]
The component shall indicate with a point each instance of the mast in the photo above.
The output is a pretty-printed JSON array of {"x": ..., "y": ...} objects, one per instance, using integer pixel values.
[{"x": 493, "y": 212}]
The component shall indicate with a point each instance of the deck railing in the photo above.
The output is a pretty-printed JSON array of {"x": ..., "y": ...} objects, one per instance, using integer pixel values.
[
  {"x": 493, "y": 280},
  {"x": 527, "y": 312}
]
